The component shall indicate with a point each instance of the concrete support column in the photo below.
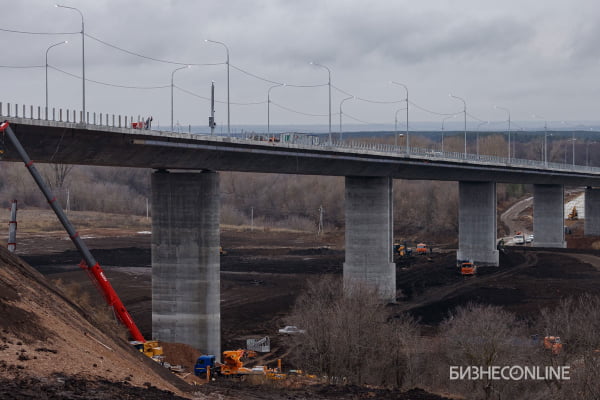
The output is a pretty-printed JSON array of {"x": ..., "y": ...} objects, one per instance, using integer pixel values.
[
  {"x": 370, "y": 235},
  {"x": 477, "y": 223},
  {"x": 548, "y": 216},
  {"x": 591, "y": 224},
  {"x": 185, "y": 260}
]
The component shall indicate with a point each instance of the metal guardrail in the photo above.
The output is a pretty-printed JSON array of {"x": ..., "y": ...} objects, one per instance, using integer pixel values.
[{"x": 118, "y": 121}]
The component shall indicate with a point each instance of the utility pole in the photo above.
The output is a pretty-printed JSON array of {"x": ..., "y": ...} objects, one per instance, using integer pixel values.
[
  {"x": 68, "y": 205},
  {"x": 320, "y": 227},
  {"x": 12, "y": 228},
  {"x": 211, "y": 119},
  {"x": 251, "y": 218}
]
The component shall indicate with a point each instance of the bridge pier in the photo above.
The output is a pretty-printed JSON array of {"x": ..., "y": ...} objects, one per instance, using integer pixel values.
[
  {"x": 591, "y": 223},
  {"x": 185, "y": 260},
  {"x": 477, "y": 223},
  {"x": 370, "y": 235},
  {"x": 549, "y": 216}
]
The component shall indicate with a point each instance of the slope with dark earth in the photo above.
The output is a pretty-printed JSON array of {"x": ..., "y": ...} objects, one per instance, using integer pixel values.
[{"x": 50, "y": 346}]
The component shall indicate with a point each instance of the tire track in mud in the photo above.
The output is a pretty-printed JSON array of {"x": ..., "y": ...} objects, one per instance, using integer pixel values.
[{"x": 438, "y": 294}]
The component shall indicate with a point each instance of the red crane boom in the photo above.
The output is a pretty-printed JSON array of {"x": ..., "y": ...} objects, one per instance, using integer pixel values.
[{"x": 95, "y": 271}]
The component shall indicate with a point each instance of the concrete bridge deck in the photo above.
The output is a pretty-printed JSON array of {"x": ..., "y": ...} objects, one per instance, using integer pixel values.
[{"x": 77, "y": 143}]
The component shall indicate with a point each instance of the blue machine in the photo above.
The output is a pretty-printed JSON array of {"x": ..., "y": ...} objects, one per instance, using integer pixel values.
[{"x": 202, "y": 363}]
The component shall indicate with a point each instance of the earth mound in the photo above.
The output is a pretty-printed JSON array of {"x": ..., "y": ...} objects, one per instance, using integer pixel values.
[{"x": 53, "y": 348}]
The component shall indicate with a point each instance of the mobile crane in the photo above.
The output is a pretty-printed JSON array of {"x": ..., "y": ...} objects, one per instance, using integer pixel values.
[{"x": 89, "y": 263}]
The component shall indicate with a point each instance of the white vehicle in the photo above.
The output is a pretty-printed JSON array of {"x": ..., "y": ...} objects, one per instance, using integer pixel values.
[
  {"x": 290, "y": 329},
  {"x": 529, "y": 238},
  {"x": 519, "y": 239}
]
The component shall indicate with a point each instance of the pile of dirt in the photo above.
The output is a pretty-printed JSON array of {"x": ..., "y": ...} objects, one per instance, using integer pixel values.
[
  {"x": 180, "y": 354},
  {"x": 577, "y": 239},
  {"x": 44, "y": 335}
]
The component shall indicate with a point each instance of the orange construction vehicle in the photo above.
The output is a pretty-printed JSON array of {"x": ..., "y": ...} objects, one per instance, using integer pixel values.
[
  {"x": 553, "y": 344},
  {"x": 466, "y": 267},
  {"x": 233, "y": 366},
  {"x": 233, "y": 362},
  {"x": 422, "y": 249}
]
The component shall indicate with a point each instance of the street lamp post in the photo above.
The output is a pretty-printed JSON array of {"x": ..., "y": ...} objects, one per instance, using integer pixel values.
[
  {"x": 328, "y": 84},
  {"x": 172, "y": 76},
  {"x": 396, "y": 125},
  {"x": 545, "y": 138},
  {"x": 508, "y": 112},
  {"x": 341, "y": 113},
  {"x": 227, "y": 62},
  {"x": 444, "y": 120},
  {"x": 48, "y": 49},
  {"x": 465, "y": 112},
  {"x": 82, "y": 58},
  {"x": 477, "y": 138},
  {"x": 269, "y": 106},
  {"x": 407, "y": 137},
  {"x": 573, "y": 139}
]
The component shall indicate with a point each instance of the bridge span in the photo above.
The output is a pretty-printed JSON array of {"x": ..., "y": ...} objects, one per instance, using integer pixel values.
[{"x": 185, "y": 202}]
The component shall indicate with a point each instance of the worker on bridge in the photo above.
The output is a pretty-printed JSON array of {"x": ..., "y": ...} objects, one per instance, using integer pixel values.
[{"x": 148, "y": 123}]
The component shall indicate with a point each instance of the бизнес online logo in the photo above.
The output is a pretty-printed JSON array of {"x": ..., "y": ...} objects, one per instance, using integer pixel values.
[{"x": 509, "y": 372}]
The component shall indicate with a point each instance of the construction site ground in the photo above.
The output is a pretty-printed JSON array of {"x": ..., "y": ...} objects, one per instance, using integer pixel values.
[{"x": 262, "y": 274}]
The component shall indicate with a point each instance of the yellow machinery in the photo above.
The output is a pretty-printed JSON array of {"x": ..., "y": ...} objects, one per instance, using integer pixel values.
[
  {"x": 233, "y": 366},
  {"x": 573, "y": 214},
  {"x": 150, "y": 348},
  {"x": 401, "y": 250}
]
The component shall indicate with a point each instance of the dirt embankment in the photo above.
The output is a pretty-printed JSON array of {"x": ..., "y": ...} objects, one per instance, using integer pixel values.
[{"x": 52, "y": 347}]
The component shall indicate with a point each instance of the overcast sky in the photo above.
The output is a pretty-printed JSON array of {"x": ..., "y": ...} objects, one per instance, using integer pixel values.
[{"x": 530, "y": 56}]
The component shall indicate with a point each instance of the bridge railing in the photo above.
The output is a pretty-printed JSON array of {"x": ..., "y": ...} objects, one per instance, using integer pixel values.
[
  {"x": 129, "y": 122},
  {"x": 70, "y": 116}
]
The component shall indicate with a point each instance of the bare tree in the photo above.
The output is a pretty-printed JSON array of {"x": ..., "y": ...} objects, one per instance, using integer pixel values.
[
  {"x": 350, "y": 337},
  {"x": 483, "y": 336},
  {"x": 577, "y": 322}
]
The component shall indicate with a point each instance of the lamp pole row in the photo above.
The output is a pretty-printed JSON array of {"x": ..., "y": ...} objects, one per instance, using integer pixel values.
[
  {"x": 328, "y": 84},
  {"x": 82, "y": 58},
  {"x": 269, "y": 106},
  {"x": 407, "y": 137},
  {"x": 341, "y": 113},
  {"x": 172, "y": 85},
  {"x": 508, "y": 112},
  {"x": 465, "y": 113},
  {"x": 47, "y": 50}
]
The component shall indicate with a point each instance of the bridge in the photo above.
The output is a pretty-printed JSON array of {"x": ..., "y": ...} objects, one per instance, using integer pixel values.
[{"x": 185, "y": 200}]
